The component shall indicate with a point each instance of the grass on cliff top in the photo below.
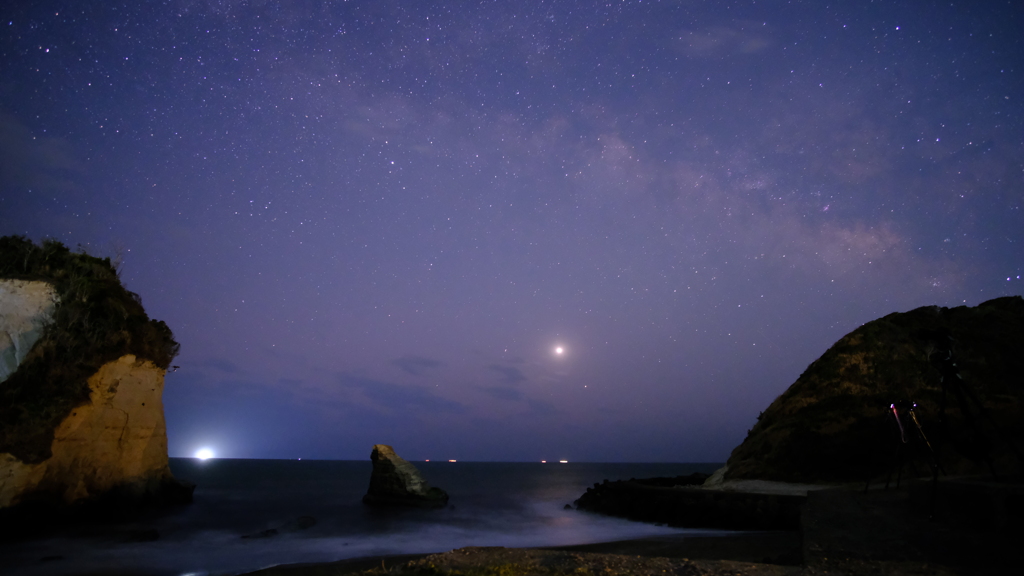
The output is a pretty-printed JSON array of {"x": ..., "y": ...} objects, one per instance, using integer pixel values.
[{"x": 96, "y": 321}]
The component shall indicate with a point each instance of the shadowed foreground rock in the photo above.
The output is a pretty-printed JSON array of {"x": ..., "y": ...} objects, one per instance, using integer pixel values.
[{"x": 395, "y": 482}]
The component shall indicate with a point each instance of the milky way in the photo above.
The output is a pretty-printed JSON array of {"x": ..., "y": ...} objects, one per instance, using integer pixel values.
[{"x": 374, "y": 222}]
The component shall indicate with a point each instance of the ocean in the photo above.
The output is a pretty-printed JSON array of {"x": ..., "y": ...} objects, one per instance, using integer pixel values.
[{"x": 252, "y": 514}]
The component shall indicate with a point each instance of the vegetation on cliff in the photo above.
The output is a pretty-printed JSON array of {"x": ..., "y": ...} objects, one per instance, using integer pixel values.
[
  {"x": 96, "y": 321},
  {"x": 834, "y": 425}
]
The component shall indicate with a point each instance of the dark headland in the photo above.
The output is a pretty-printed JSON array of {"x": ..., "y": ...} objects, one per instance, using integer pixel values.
[{"x": 896, "y": 452}]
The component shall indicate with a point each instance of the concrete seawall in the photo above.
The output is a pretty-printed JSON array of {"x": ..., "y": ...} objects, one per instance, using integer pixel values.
[{"x": 692, "y": 506}]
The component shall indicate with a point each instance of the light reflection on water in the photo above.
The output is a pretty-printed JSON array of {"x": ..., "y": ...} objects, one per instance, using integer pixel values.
[{"x": 492, "y": 504}]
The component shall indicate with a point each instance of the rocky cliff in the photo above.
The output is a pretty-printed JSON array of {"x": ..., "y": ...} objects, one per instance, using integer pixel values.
[
  {"x": 81, "y": 379},
  {"x": 834, "y": 423}
]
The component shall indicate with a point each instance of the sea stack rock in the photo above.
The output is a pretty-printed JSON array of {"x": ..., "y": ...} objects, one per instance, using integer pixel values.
[
  {"x": 81, "y": 380},
  {"x": 834, "y": 424},
  {"x": 395, "y": 482}
]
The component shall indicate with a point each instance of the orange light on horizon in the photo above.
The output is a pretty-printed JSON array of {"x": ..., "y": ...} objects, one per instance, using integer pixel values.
[{"x": 451, "y": 460}]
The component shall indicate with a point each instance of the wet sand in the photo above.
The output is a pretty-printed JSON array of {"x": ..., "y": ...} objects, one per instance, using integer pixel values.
[{"x": 778, "y": 548}]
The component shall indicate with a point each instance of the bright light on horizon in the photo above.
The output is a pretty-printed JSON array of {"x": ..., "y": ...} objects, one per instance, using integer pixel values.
[
  {"x": 559, "y": 350},
  {"x": 204, "y": 453}
]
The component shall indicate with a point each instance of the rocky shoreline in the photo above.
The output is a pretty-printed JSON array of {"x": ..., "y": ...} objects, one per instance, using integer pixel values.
[{"x": 843, "y": 530}]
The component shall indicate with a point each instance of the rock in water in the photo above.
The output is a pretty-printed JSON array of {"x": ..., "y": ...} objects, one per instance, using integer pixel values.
[
  {"x": 395, "y": 482},
  {"x": 81, "y": 380}
]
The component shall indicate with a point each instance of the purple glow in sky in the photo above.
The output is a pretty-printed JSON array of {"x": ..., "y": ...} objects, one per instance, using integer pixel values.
[{"x": 375, "y": 221}]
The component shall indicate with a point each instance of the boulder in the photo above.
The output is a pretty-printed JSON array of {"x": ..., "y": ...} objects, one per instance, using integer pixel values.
[
  {"x": 81, "y": 381},
  {"x": 396, "y": 482}
]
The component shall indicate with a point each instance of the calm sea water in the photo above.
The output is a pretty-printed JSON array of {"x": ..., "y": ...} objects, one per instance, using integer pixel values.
[{"x": 492, "y": 504}]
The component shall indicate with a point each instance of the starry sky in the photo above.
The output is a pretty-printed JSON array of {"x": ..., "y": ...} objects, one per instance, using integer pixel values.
[{"x": 374, "y": 221}]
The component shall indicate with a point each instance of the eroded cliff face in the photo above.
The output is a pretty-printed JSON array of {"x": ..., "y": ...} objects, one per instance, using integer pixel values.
[
  {"x": 26, "y": 308},
  {"x": 115, "y": 442}
]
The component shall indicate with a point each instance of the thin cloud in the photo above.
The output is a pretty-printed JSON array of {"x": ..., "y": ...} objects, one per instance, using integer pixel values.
[
  {"x": 746, "y": 37},
  {"x": 504, "y": 393},
  {"x": 416, "y": 365},
  {"x": 400, "y": 396},
  {"x": 44, "y": 163},
  {"x": 509, "y": 374}
]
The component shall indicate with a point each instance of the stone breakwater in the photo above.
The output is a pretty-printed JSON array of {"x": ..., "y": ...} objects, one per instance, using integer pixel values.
[{"x": 684, "y": 502}]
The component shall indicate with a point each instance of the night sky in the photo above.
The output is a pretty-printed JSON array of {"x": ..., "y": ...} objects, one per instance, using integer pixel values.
[{"x": 374, "y": 221}]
